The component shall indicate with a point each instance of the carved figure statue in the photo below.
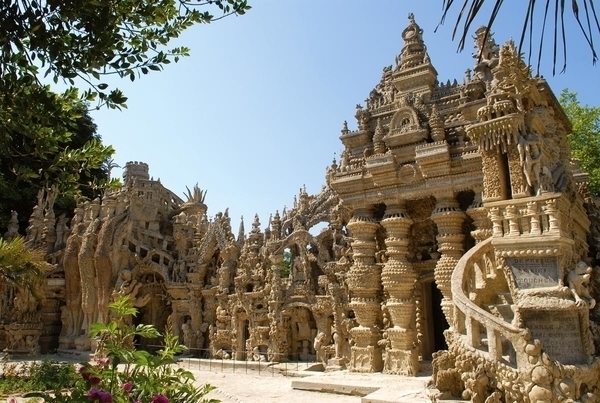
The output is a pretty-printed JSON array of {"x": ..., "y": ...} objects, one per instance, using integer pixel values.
[
  {"x": 530, "y": 156},
  {"x": 318, "y": 346},
  {"x": 579, "y": 280},
  {"x": 256, "y": 355},
  {"x": 222, "y": 354},
  {"x": 486, "y": 53},
  {"x": 187, "y": 334},
  {"x": 337, "y": 341},
  {"x": 13, "y": 226}
]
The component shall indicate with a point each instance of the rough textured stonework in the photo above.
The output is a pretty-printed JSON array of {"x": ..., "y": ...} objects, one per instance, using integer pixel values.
[{"x": 455, "y": 228}]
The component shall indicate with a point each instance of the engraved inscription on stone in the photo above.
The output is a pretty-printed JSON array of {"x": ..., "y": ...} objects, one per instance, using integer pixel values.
[
  {"x": 534, "y": 272},
  {"x": 559, "y": 332}
]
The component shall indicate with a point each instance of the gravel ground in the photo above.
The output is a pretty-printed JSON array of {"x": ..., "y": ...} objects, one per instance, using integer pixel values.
[{"x": 252, "y": 388}]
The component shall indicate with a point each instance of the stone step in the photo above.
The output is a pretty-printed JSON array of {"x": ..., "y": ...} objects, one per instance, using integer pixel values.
[
  {"x": 372, "y": 388},
  {"x": 503, "y": 311},
  {"x": 504, "y": 298}
]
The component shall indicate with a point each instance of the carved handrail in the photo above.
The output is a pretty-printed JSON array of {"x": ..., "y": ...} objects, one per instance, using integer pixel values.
[{"x": 468, "y": 314}]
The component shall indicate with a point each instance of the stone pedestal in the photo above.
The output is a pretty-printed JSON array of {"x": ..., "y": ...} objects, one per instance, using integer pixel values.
[
  {"x": 336, "y": 364},
  {"x": 83, "y": 343},
  {"x": 366, "y": 359},
  {"x": 398, "y": 362},
  {"x": 66, "y": 343},
  {"x": 23, "y": 338}
]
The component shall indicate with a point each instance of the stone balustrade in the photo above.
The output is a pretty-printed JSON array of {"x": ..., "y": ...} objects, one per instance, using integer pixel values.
[
  {"x": 531, "y": 216},
  {"x": 469, "y": 318}
]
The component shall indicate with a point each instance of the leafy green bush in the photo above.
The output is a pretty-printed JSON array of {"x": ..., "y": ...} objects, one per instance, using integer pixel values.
[
  {"x": 127, "y": 375},
  {"x": 44, "y": 375}
]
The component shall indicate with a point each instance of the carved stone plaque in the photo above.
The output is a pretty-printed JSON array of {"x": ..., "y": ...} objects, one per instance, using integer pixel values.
[
  {"x": 534, "y": 272},
  {"x": 560, "y": 334}
]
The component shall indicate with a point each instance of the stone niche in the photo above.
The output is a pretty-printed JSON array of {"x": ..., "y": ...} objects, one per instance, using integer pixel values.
[
  {"x": 560, "y": 334},
  {"x": 534, "y": 272}
]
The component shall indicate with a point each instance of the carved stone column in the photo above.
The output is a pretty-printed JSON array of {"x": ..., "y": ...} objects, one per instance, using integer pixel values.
[
  {"x": 449, "y": 220},
  {"x": 399, "y": 279},
  {"x": 364, "y": 282},
  {"x": 481, "y": 221}
]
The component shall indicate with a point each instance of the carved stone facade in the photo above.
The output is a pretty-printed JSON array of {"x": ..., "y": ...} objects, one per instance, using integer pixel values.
[{"x": 454, "y": 229}]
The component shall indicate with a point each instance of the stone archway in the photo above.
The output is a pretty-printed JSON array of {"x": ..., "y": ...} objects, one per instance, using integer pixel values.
[
  {"x": 302, "y": 333},
  {"x": 156, "y": 311}
]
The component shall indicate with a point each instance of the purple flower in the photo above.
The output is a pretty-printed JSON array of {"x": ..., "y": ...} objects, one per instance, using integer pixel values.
[
  {"x": 94, "y": 394},
  {"x": 106, "y": 397},
  {"x": 159, "y": 399},
  {"x": 127, "y": 387},
  {"x": 97, "y": 395}
]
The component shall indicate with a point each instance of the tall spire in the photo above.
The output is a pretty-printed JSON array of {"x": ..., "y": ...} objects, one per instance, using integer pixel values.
[
  {"x": 241, "y": 231},
  {"x": 414, "y": 71},
  {"x": 414, "y": 51}
]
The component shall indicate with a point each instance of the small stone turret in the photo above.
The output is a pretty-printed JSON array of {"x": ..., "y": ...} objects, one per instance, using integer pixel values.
[{"x": 135, "y": 169}]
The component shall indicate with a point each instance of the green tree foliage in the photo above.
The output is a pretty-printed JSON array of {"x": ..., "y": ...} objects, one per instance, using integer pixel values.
[
  {"x": 538, "y": 16},
  {"x": 90, "y": 39},
  {"x": 77, "y": 43},
  {"x": 78, "y": 162},
  {"x": 286, "y": 264},
  {"x": 585, "y": 138}
]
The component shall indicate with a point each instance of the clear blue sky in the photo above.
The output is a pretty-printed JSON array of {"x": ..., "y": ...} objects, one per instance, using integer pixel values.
[{"x": 256, "y": 111}]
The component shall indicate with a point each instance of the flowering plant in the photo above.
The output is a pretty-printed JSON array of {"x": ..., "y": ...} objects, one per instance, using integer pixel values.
[{"x": 127, "y": 375}]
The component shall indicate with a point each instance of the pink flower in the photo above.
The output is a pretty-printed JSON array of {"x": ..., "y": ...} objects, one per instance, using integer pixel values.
[
  {"x": 104, "y": 361},
  {"x": 159, "y": 399},
  {"x": 127, "y": 387}
]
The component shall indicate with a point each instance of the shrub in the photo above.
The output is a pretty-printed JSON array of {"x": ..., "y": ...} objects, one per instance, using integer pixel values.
[
  {"x": 127, "y": 375},
  {"x": 44, "y": 375}
]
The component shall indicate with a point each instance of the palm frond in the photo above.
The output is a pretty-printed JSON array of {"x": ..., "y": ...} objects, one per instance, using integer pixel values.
[
  {"x": 22, "y": 266},
  {"x": 587, "y": 21}
]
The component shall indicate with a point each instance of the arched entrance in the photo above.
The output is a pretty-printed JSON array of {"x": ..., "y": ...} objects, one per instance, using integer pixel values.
[
  {"x": 302, "y": 333},
  {"x": 155, "y": 312}
]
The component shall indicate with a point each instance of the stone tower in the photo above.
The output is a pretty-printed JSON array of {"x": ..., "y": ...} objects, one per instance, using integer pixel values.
[{"x": 135, "y": 169}]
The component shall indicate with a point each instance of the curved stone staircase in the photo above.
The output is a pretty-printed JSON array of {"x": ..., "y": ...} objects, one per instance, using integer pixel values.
[{"x": 500, "y": 322}]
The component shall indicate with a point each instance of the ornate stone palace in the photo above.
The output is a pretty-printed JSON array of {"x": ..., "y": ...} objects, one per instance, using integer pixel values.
[{"x": 455, "y": 228}]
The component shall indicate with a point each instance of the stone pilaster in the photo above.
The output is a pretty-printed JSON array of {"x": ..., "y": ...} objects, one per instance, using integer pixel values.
[
  {"x": 364, "y": 282},
  {"x": 449, "y": 220},
  {"x": 492, "y": 175},
  {"x": 519, "y": 186},
  {"x": 399, "y": 278}
]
